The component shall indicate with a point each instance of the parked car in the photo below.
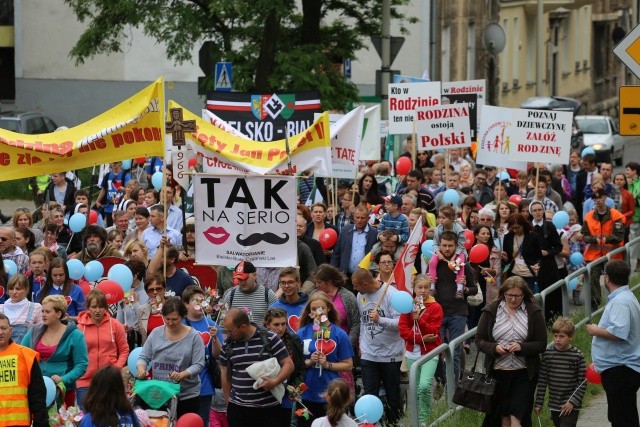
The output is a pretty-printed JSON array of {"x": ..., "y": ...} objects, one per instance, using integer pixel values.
[
  {"x": 26, "y": 122},
  {"x": 603, "y": 135},
  {"x": 559, "y": 103}
]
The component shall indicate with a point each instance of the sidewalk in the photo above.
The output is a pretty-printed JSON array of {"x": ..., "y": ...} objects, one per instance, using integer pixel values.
[{"x": 595, "y": 415}]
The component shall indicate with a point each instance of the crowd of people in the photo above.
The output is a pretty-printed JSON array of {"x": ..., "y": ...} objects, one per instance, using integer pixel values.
[{"x": 272, "y": 344}]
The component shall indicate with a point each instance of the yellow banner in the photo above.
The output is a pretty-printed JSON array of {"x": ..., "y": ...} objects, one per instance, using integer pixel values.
[
  {"x": 310, "y": 149},
  {"x": 133, "y": 128}
]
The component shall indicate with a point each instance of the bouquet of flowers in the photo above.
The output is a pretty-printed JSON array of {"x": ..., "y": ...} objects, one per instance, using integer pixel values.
[
  {"x": 66, "y": 417},
  {"x": 456, "y": 265}
]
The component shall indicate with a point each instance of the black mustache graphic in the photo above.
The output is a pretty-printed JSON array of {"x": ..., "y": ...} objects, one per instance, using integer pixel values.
[{"x": 255, "y": 238}]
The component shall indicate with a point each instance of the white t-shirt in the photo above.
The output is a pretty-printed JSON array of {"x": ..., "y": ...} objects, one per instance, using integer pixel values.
[{"x": 345, "y": 421}]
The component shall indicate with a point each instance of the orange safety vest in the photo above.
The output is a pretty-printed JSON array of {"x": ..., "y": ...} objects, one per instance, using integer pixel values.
[
  {"x": 15, "y": 374},
  {"x": 594, "y": 251}
]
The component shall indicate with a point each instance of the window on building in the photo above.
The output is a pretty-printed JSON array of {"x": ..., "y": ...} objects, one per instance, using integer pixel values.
[{"x": 445, "y": 60}]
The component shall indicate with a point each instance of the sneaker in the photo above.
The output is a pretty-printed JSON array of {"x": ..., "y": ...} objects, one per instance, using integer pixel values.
[{"x": 438, "y": 390}]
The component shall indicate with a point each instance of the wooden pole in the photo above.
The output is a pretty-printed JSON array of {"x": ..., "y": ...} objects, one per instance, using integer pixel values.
[
  {"x": 163, "y": 198},
  {"x": 414, "y": 148}
]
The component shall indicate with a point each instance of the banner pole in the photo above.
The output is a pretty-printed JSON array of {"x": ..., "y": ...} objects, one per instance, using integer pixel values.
[
  {"x": 446, "y": 167},
  {"x": 163, "y": 199},
  {"x": 414, "y": 148}
]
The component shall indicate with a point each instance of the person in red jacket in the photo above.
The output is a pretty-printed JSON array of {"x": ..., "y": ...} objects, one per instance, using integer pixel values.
[
  {"x": 420, "y": 330},
  {"x": 105, "y": 337}
]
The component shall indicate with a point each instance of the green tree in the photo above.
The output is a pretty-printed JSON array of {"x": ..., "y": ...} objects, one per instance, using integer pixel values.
[{"x": 274, "y": 45}]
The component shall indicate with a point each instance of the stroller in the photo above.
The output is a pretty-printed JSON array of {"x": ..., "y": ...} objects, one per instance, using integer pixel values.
[{"x": 159, "y": 399}]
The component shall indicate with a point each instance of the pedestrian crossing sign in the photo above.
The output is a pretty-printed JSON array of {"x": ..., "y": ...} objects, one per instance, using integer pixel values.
[{"x": 223, "y": 77}]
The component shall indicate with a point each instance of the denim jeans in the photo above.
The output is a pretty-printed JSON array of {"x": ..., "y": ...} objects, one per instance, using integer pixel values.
[
  {"x": 389, "y": 374},
  {"x": 452, "y": 327},
  {"x": 425, "y": 378},
  {"x": 81, "y": 393}
]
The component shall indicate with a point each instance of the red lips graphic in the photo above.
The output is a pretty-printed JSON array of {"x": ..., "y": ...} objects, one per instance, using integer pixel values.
[{"x": 216, "y": 235}]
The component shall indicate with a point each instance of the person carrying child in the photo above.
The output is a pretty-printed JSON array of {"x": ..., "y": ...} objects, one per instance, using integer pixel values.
[{"x": 447, "y": 222}]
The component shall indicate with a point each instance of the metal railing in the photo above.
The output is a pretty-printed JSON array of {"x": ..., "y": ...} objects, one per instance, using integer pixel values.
[{"x": 448, "y": 349}]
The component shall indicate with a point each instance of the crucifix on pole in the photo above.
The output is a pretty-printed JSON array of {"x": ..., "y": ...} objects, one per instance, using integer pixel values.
[{"x": 177, "y": 127}]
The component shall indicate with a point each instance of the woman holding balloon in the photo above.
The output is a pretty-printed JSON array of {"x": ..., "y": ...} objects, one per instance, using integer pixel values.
[
  {"x": 105, "y": 338},
  {"x": 63, "y": 351}
]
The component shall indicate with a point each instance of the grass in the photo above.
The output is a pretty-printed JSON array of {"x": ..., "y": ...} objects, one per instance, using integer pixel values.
[{"x": 18, "y": 189}]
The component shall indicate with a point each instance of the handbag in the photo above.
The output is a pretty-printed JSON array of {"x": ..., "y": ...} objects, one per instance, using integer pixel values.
[
  {"x": 476, "y": 300},
  {"x": 475, "y": 390}
]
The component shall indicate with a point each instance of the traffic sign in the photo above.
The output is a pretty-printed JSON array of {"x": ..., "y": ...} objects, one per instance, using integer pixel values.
[
  {"x": 629, "y": 51},
  {"x": 223, "y": 77},
  {"x": 346, "y": 68},
  {"x": 629, "y": 110}
]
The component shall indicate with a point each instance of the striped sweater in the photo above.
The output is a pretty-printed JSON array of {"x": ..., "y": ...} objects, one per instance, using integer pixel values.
[{"x": 563, "y": 372}]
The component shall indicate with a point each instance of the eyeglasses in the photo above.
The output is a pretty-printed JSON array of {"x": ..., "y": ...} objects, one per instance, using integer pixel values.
[
  {"x": 514, "y": 296},
  {"x": 385, "y": 262},
  {"x": 23, "y": 210},
  {"x": 154, "y": 290},
  {"x": 288, "y": 282}
]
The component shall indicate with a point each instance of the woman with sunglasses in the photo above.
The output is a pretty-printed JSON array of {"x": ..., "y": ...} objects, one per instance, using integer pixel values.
[{"x": 149, "y": 315}]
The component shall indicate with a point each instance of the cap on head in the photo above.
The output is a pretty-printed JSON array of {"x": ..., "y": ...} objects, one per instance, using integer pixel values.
[
  {"x": 395, "y": 199},
  {"x": 242, "y": 271}
]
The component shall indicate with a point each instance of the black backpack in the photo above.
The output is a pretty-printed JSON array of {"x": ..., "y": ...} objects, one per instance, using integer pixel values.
[
  {"x": 211, "y": 364},
  {"x": 228, "y": 347}
]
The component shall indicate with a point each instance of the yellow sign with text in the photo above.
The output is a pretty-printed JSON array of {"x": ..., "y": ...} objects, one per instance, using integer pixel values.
[
  {"x": 629, "y": 110},
  {"x": 133, "y": 128}
]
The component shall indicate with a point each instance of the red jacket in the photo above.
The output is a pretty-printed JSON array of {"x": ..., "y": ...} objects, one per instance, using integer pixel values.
[
  {"x": 106, "y": 344},
  {"x": 428, "y": 323},
  {"x": 628, "y": 207}
]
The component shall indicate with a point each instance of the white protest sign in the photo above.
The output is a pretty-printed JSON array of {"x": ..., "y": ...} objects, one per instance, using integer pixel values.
[
  {"x": 495, "y": 134},
  {"x": 405, "y": 98},
  {"x": 541, "y": 136},
  {"x": 443, "y": 126},
  {"x": 180, "y": 164},
  {"x": 245, "y": 218},
  {"x": 346, "y": 137},
  {"x": 470, "y": 91},
  {"x": 370, "y": 147}
]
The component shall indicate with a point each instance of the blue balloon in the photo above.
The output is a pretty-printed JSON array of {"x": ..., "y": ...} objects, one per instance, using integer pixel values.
[
  {"x": 76, "y": 269},
  {"x": 572, "y": 285},
  {"x": 156, "y": 180},
  {"x": 451, "y": 196},
  {"x": 560, "y": 219},
  {"x": 51, "y": 390},
  {"x": 576, "y": 259},
  {"x": 77, "y": 222},
  {"x": 126, "y": 164},
  {"x": 427, "y": 248},
  {"x": 10, "y": 267},
  {"x": 369, "y": 408},
  {"x": 122, "y": 275},
  {"x": 588, "y": 150},
  {"x": 132, "y": 361},
  {"x": 93, "y": 270},
  {"x": 504, "y": 176},
  {"x": 402, "y": 302}
]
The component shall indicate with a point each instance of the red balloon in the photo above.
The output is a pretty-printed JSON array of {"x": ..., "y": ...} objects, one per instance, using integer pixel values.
[
  {"x": 140, "y": 160},
  {"x": 190, "y": 420},
  {"x": 192, "y": 162},
  {"x": 515, "y": 198},
  {"x": 479, "y": 253},
  {"x": 111, "y": 290},
  {"x": 592, "y": 376},
  {"x": 85, "y": 286},
  {"x": 93, "y": 217},
  {"x": 403, "y": 165},
  {"x": 328, "y": 238},
  {"x": 468, "y": 239}
]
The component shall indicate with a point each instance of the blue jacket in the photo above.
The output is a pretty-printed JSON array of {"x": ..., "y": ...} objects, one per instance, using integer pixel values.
[
  {"x": 341, "y": 256},
  {"x": 69, "y": 360}
]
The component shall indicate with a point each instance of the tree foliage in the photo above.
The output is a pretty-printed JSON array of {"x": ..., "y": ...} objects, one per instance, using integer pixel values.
[{"x": 274, "y": 45}]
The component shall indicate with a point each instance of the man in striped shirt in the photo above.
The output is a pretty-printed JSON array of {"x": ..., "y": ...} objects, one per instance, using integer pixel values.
[
  {"x": 562, "y": 370},
  {"x": 248, "y": 295}
]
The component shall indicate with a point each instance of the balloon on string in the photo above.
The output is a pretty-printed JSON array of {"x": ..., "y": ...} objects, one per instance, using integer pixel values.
[
  {"x": 85, "y": 286},
  {"x": 140, "y": 160},
  {"x": 111, "y": 290},
  {"x": 403, "y": 165},
  {"x": 451, "y": 196},
  {"x": 587, "y": 150},
  {"x": 10, "y": 267},
  {"x": 93, "y": 270},
  {"x": 328, "y": 238},
  {"x": 560, "y": 219},
  {"x": 427, "y": 248},
  {"x": 402, "y": 302},
  {"x": 515, "y": 198},
  {"x": 132, "y": 361},
  {"x": 190, "y": 419},
  {"x": 77, "y": 222},
  {"x": 126, "y": 164},
  {"x": 468, "y": 239},
  {"x": 576, "y": 259},
  {"x": 479, "y": 253},
  {"x": 93, "y": 216},
  {"x": 50, "y": 385},
  {"x": 504, "y": 176},
  {"x": 156, "y": 180},
  {"x": 122, "y": 275},
  {"x": 369, "y": 408},
  {"x": 76, "y": 269},
  {"x": 592, "y": 376},
  {"x": 572, "y": 284}
]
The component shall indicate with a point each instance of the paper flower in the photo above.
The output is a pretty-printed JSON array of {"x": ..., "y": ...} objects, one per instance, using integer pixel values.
[{"x": 169, "y": 293}]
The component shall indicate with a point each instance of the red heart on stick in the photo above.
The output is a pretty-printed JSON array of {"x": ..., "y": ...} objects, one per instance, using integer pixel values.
[{"x": 325, "y": 347}]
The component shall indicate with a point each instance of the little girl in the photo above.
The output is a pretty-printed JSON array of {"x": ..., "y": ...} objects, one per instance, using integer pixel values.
[
  {"x": 59, "y": 283},
  {"x": 447, "y": 220},
  {"x": 420, "y": 331},
  {"x": 22, "y": 313},
  {"x": 338, "y": 400}
]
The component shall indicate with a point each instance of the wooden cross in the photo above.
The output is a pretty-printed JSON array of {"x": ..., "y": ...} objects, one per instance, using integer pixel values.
[{"x": 177, "y": 127}]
